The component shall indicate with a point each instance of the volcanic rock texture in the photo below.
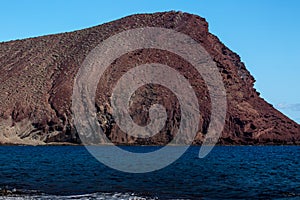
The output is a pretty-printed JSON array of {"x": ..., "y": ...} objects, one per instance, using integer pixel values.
[{"x": 37, "y": 76}]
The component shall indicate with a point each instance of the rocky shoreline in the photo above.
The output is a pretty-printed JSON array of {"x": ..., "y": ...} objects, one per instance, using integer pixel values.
[{"x": 13, "y": 192}]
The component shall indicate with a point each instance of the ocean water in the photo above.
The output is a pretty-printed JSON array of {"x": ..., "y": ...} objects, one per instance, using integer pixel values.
[{"x": 228, "y": 172}]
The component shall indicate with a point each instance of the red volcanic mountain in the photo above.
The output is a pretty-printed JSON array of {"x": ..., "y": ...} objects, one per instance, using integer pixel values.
[{"x": 37, "y": 77}]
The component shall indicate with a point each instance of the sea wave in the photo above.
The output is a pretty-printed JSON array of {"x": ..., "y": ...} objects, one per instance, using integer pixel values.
[{"x": 94, "y": 196}]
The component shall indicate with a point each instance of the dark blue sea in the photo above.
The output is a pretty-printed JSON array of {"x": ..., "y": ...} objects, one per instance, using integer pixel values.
[{"x": 228, "y": 172}]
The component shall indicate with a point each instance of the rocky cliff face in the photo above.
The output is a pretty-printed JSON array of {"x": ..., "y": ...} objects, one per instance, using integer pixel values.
[{"x": 37, "y": 76}]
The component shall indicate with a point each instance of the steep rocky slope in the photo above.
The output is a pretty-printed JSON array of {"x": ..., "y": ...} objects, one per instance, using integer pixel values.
[{"x": 37, "y": 75}]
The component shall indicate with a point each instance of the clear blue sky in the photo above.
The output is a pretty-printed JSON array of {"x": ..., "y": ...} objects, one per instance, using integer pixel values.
[{"x": 265, "y": 33}]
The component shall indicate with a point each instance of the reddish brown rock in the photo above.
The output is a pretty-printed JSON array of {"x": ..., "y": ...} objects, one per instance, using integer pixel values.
[{"x": 37, "y": 74}]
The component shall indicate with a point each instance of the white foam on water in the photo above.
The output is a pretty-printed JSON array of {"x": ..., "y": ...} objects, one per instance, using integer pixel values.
[{"x": 94, "y": 196}]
